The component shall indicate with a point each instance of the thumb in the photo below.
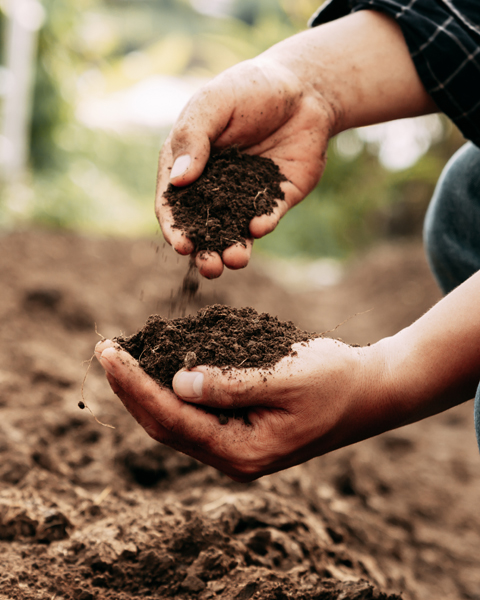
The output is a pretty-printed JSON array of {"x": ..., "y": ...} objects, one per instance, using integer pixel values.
[
  {"x": 216, "y": 388},
  {"x": 201, "y": 122}
]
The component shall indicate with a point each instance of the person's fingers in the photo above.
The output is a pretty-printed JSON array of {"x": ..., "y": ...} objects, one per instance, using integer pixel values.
[
  {"x": 174, "y": 236},
  {"x": 231, "y": 389},
  {"x": 209, "y": 264},
  {"x": 180, "y": 425},
  {"x": 142, "y": 416},
  {"x": 220, "y": 458},
  {"x": 113, "y": 383},
  {"x": 260, "y": 226},
  {"x": 103, "y": 345},
  {"x": 273, "y": 387},
  {"x": 201, "y": 122},
  {"x": 238, "y": 255},
  {"x": 299, "y": 150},
  {"x": 186, "y": 151},
  {"x": 141, "y": 393}
]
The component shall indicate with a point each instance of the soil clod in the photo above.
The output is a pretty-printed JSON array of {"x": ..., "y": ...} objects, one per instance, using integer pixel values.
[
  {"x": 215, "y": 210},
  {"x": 217, "y": 335}
]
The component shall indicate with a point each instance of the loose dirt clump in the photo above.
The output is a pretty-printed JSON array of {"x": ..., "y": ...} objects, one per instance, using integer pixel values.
[
  {"x": 217, "y": 335},
  {"x": 215, "y": 211}
]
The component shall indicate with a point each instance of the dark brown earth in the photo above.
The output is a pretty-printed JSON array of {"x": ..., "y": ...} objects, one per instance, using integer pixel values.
[
  {"x": 218, "y": 335},
  {"x": 88, "y": 512},
  {"x": 215, "y": 211}
]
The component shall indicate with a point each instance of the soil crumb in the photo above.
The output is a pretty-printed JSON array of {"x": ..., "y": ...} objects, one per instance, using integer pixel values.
[
  {"x": 215, "y": 211},
  {"x": 217, "y": 335},
  {"x": 190, "y": 282}
]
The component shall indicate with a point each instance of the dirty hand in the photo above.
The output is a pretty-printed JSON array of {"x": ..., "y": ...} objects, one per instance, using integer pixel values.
[
  {"x": 264, "y": 108},
  {"x": 307, "y": 405},
  {"x": 285, "y": 105}
]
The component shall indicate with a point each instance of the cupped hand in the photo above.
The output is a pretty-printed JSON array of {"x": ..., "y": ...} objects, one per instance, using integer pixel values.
[
  {"x": 263, "y": 107},
  {"x": 308, "y": 404}
]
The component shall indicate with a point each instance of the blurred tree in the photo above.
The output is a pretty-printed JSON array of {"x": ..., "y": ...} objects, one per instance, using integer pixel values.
[
  {"x": 53, "y": 88},
  {"x": 2, "y": 34}
]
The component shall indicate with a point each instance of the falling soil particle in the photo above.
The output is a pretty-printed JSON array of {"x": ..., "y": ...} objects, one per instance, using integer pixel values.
[
  {"x": 187, "y": 292},
  {"x": 215, "y": 210},
  {"x": 217, "y": 335}
]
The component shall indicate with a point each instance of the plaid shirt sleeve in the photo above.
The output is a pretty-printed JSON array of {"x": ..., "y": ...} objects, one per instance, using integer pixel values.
[{"x": 443, "y": 37}]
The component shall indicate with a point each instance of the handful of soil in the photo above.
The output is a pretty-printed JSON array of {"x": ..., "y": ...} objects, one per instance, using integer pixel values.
[
  {"x": 216, "y": 209},
  {"x": 217, "y": 335}
]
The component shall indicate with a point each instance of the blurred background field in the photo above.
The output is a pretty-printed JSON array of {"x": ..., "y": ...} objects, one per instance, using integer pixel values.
[{"x": 109, "y": 78}]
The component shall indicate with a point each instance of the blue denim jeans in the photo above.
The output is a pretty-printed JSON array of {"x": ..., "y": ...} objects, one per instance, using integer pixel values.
[{"x": 452, "y": 228}]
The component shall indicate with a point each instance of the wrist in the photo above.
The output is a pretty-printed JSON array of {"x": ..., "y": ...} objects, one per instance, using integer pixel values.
[
  {"x": 360, "y": 66},
  {"x": 429, "y": 370},
  {"x": 372, "y": 405},
  {"x": 363, "y": 400}
]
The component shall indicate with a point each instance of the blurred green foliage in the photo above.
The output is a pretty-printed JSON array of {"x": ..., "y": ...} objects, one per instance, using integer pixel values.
[
  {"x": 94, "y": 180},
  {"x": 105, "y": 185}
]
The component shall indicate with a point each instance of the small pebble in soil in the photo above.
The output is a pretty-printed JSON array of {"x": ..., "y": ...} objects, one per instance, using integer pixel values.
[{"x": 190, "y": 360}]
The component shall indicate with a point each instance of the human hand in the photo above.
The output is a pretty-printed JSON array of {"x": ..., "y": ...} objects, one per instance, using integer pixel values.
[
  {"x": 264, "y": 108},
  {"x": 285, "y": 105},
  {"x": 309, "y": 404}
]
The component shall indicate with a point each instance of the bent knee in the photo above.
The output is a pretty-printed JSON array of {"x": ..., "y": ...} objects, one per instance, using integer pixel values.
[{"x": 453, "y": 219}]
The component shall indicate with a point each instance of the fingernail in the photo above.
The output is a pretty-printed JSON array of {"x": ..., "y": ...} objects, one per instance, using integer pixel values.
[
  {"x": 105, "y": 357},
  {"x": 180, "y": 165},
  {"x": 99, "y": 346},
  {"x": 188, "y": 384}
]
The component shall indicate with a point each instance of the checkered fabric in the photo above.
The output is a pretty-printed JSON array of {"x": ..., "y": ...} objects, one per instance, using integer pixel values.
[{"x": 443, "y": 37}]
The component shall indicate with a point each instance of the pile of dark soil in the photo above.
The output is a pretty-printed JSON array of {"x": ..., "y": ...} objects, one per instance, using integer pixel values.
[
  {"x": 222, "y": 336},
  {"x": 92, "y": 513},
  {"x": 216, "y": 209}
]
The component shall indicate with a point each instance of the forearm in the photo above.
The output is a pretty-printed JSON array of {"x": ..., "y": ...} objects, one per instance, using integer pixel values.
[
  {"x": 435, "y": 363},
  {"x": 360, "y": 65}
]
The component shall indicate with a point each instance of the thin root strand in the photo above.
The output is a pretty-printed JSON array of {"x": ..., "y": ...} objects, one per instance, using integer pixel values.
[
  {"x": 98, "y": 333},
  {"x": 97, "y": 420},
  {"x": 82, "y": 404},
  {"x": 347, "y": 319}
]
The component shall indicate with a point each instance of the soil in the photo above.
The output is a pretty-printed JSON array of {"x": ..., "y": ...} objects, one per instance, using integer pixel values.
[
  {"x": 88, "y": 512},
  {"x": 215, "y": 211},
  {"x": 187, "y": 292},
  {"x": 218, "y": 335}
]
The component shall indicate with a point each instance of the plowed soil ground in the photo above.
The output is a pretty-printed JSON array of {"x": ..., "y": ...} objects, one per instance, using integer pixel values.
[{"x": 88, "y": 512}]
